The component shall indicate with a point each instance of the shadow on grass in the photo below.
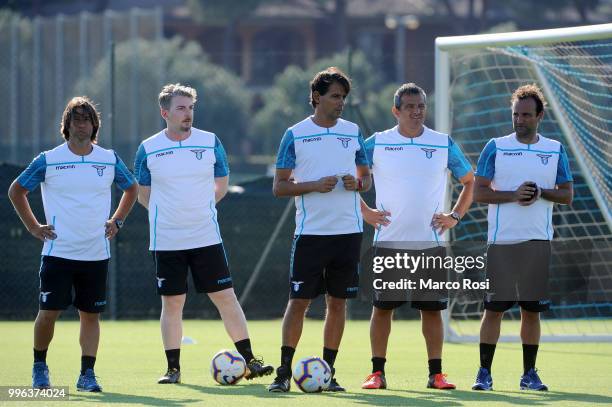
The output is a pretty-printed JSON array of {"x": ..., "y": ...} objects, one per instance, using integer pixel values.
[
  {"x": 261, "y": 391},
  {"x": 531, "y": 398},
  {"x": 115, "y": 398},
  {"x": 377, "y": 398}
]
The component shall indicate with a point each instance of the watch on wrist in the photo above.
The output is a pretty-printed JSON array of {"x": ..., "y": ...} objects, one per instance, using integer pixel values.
[
  {"x": 118, "y": 223},
  {"x": 455, "y": 216}
]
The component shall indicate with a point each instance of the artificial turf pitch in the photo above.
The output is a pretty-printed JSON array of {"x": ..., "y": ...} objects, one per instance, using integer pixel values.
[{"x": 131, "y": 358}]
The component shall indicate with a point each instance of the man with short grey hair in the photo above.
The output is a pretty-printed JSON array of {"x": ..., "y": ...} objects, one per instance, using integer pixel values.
[{"x": 410, "y": 163}]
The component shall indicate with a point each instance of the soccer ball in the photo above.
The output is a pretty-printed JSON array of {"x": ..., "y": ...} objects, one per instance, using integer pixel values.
[
  {"x": 227, "y": 367},
  {"x": 312, "y": 374}
]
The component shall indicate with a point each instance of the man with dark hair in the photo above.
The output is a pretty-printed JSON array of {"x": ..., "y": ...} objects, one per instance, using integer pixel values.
[
  {"x": 75, "y": 179},
  {"x": 183, "y": 173},
  {"x": 410, "y": 163},
  {"x": 324, "y": 79},
  {"x": 520, "y": 176},
  {"x": 322, "y": 163}
]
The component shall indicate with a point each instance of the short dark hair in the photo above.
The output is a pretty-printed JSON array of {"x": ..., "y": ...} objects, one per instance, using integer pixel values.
[
  {"x": 407, "y": 89},
  {"x": 323, "y": 80},
  {"x": 530, "y": 91},
  {"x": 85, "y": 104}
]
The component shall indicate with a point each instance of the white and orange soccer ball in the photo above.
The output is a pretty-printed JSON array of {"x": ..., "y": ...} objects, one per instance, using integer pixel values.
[
  {"x": 227, "y": 367},
  {"x": 312, "y": 374}
]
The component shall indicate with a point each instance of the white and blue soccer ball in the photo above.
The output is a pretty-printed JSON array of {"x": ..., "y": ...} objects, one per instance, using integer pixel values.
[
  {"x": 227, "y": 367},
  {"x": 312, "y": 374}
]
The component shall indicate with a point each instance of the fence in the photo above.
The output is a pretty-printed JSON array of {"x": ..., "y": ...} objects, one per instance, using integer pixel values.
[
  {"x": 45, "y": 61},
  {"x": 246, "y": 219}
]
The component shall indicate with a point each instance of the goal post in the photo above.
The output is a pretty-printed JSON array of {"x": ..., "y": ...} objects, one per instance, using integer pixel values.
[{"x": 474, "y": 78}]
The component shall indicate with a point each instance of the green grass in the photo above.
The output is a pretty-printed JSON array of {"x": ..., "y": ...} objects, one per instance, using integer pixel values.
[{"x": 131, "y": 359}]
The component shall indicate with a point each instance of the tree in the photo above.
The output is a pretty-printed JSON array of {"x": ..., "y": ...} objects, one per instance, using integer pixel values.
[
  {"x": 222, "y": 105},
  {"x": 287, "y": 102}
]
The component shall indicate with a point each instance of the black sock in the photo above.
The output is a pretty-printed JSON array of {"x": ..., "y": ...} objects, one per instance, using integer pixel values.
[
  {"x": 378, "y": 364},
  {"x": 487, "y": 350},
  {"x": 87, "y": 362},
  {"x": 530, "y": 353},
  {"x": 244, "y": 348},
  {"x": 329, "y": 355},
  {"x": 40, "y": 356},
  {"x": 174, "y": 357},
  {"x": 287, "y": 356},
  {"x": 435, "y": 366}
]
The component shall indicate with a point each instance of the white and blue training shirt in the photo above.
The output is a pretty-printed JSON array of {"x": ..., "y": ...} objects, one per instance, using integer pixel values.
[
  {"x": 313, "y": 152},
  {"x": 410, "y": 177},
  {"x": 508, "y": 163},
  {"x": 76, "y": 197},
  {"x": 182, "y": 211}
]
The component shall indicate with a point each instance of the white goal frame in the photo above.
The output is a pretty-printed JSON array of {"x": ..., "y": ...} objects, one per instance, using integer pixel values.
[{"x": 443, "y": 46}]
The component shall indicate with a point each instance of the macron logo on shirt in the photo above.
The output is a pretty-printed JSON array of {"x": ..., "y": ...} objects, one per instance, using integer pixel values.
[
  {"x": 64, "y": 167},
  {"x": 164, "y": 153}
]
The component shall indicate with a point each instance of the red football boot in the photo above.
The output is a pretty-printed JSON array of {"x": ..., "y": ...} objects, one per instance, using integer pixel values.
[
  {"x": 375, "y": 381},
  {"x": 438, "y": 381}
]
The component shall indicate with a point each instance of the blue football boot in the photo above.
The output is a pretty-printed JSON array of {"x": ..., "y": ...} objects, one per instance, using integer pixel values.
[
  {"x": 40, "y": 376},
  {"x": 87, "y": 382},
  {"x": 531, "y": 381},
  {"x": 484, "y": 381}
]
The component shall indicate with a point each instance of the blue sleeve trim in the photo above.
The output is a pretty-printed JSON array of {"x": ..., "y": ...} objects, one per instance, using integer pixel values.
[
  {"x": 32, "y": 176},
  {"x": 123, "y": 177},
  {"x": 369, "y": 148},
  {"x": 143, "y": 175},
  {"x": 457, "y": 162},
  {"x": 286, "y": 152},
  {"x": 563, "y": 169},
  {"x": 486, "y": 162},
  {"x": 221, "y": 166},
  {"x": 361, "y": 157}
]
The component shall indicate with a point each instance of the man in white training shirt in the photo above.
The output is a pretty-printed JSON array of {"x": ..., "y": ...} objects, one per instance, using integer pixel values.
[
  {"x": 322, "y": 163},
  {"x": 183, "y": 173},
  {"x": 520, "y": 176},
  {"x": 410, "y": 163},
  {"x": 75, "y": 180}
]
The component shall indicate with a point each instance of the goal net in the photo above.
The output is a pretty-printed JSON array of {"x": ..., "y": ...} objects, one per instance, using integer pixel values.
[{"x": 475, "y": 76}]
